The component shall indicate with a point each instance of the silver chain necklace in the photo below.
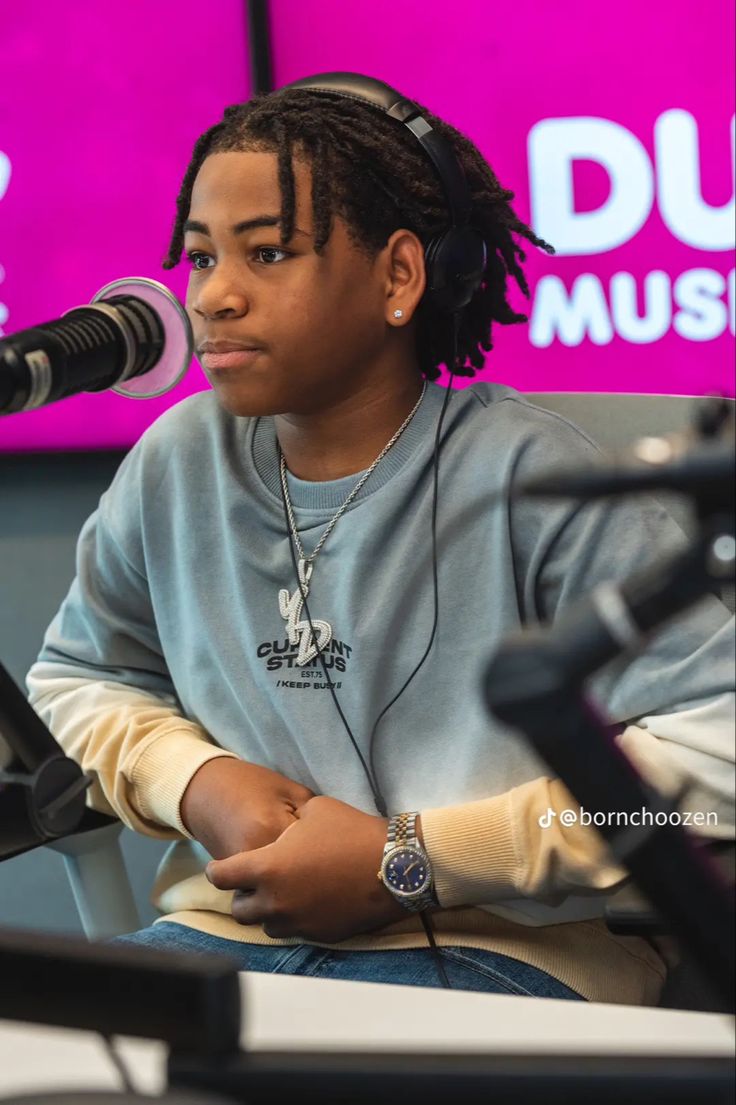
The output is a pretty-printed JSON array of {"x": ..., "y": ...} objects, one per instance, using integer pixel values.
[{"x": 291, "y": 605}]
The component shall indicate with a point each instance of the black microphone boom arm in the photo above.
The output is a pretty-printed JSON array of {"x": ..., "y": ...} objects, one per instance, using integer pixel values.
[{"x": 534, "y": 683}]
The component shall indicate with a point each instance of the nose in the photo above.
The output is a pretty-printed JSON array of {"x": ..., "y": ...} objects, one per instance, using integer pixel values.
[{"x": 220, "y": 295}]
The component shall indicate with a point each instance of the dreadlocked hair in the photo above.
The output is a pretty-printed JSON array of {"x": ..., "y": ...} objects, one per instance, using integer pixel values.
[{"x": 376, "y": 177}]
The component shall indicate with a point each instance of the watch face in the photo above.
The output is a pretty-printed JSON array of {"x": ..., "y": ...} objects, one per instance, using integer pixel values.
[{"x": 406, "y": 871}]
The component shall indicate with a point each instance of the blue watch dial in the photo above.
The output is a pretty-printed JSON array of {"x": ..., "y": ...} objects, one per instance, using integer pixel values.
[{"x": 406, "y": 871}]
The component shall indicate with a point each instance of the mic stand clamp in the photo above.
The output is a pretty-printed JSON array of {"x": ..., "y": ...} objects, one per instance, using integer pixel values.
[
  {"x": 42, "y": 791},
  {"x": 42, "y": 805}
]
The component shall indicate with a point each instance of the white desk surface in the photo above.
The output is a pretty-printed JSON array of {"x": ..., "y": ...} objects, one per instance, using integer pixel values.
[{"x": 283, "y": 1012}]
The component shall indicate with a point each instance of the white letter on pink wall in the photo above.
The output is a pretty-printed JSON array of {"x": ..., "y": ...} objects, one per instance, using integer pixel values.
[
  {"x": 4, "y": 173},
  {"x": 573, "y": 317},
  {"x": 553, "y": 146},
  {"x": 655, "y": 322},
  {"x": 679, "y": 196},
  {"x": 704, "y": 315}
]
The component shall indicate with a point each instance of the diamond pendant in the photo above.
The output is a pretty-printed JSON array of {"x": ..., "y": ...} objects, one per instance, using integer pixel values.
[{"x": 299, "y": 632}]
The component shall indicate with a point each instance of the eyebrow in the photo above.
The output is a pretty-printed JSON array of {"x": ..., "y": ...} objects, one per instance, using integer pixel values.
[{"x": 241, "y": 227}]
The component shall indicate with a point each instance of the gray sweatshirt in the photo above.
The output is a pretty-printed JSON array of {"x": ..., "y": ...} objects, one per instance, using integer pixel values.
[{"x": 177, "y": 598}]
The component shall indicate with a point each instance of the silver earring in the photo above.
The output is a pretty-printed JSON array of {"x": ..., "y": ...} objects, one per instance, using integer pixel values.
[{"x": 398, "y": 313}]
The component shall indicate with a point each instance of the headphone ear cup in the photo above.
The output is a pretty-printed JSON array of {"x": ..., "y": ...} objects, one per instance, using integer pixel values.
[
  {"x": 437, "y": 293},
  {"x": 455, "y": 262}
]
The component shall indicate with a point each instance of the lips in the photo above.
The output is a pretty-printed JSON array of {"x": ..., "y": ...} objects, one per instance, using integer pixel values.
[
  {"x": 234, "y": 358},
  {"x": 223, "y": 345},
  {"x": 219, "y": 354}
]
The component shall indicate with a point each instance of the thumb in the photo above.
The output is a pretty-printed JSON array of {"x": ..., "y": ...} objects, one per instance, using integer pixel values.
[{"x": 237, "y": 872}]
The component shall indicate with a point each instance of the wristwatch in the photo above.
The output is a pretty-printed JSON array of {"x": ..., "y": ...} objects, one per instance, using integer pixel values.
[{"x": 405, "y": 869}]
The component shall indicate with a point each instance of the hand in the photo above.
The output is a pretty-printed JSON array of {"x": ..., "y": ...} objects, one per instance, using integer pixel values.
[
  {"x": 231, "y": 806},
  {"x": 318, "y": 881}
]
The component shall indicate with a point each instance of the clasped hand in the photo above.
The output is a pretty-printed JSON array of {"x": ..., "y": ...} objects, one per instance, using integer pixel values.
[{"x": 317, "y": 880}]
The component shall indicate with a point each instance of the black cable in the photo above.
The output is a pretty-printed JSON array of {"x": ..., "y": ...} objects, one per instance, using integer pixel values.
[
  {"x": 436, "y": 465},
  {"x": 436, "y": 953},
  {"x": 320, "y": 652},
  {"x": 378, "y": 798},
  {"x": 119, "y": 1064},
  {"x": 370, "y": 770}
]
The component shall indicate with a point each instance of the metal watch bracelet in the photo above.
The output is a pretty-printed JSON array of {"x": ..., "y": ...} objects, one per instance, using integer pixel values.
[{"x": 402, "y": 835}]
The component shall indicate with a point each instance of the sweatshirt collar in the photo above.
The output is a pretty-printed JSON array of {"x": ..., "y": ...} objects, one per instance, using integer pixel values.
[{"x": 331, "y": 494}]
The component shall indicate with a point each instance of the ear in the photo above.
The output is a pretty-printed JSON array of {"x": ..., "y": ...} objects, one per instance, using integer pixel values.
[{"x": 405, "y": 278}]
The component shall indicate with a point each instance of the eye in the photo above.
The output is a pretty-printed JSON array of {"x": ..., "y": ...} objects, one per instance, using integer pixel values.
[
  {"x": 270, "y": 250},
  {"x": 193, "y": 259}
]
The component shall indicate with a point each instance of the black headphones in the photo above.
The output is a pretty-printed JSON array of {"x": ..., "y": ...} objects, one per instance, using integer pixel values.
[{"x": 456, "y": 259}]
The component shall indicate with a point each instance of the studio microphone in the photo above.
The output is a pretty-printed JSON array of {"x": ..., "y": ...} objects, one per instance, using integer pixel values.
[{"x": 134, "y": 337}]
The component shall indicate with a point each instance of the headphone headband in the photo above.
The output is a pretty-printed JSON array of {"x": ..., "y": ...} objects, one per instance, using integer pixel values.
[
  {"x": 455, "y": 260},
  {"x": 355, "y": 86}
]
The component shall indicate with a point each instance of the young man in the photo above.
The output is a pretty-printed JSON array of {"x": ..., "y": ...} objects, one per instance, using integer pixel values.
[{"x": 240, "y": 662}]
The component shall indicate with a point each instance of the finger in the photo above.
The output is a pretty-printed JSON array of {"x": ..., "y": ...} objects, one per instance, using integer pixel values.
[
  {"x": 302, "y": 794},
  {"x": 308, "y": 808},
  {"x": 238, "y": 872},
  {"x": 253, "y": 909},
  {"x": 248, "y": 907},
  {"x": 280, "y": 929}
]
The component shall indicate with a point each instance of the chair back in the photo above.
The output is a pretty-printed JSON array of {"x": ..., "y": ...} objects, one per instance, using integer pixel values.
[{"x": 614, "y": 421}]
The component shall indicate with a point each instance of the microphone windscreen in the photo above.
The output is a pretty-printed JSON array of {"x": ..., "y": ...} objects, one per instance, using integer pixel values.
[{"x": 178, "y": 344}]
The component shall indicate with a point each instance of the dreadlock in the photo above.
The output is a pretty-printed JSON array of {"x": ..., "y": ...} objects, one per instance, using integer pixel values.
[{"x": 376, "y": 177}]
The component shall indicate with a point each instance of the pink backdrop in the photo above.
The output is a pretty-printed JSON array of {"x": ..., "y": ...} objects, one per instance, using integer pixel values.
[{"x": 613, "y": 125}]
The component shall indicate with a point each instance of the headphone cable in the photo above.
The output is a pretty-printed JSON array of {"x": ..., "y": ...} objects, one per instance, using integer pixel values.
[{"x": 369, "y": 771}]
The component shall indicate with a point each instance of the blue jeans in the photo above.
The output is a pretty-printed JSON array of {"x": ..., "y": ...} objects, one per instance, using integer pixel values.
[{"x": 466, "y": 968}]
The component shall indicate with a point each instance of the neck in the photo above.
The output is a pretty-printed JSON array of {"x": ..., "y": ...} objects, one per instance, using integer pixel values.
[{"x": 346, "y": 437}]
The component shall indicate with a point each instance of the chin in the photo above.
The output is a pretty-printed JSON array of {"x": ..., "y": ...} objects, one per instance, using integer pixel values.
[{"x": 247, "y": 402}]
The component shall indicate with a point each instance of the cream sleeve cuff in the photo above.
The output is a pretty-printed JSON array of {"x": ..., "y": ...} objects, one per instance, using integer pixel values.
[
  {"x": 472, "y": 850},
  {"x": 137, "y": 748},
  {"x": 162, "y": 772},
  {"x": 515, "y": 845}
]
